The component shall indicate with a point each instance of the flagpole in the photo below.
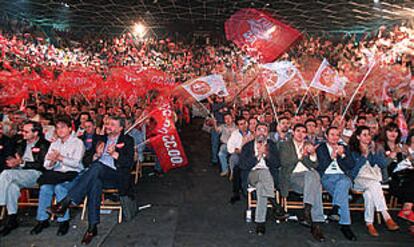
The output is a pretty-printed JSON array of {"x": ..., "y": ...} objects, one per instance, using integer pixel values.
[
  {"x": 301, "y": 102},
  {"x": 356, "y": 90},
  {"x": 273, "y": 105},
  {"x": 136, "y": 123}
]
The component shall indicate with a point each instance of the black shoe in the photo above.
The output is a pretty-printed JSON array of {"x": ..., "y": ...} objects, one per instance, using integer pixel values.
[
  {"x": 278, "y": 211},
  {"x": 307, "y": 219},
  {"x": 234, "y": 199},
  {"x": 11, "y": 224},
  {"x": 317, "y": 233},
  {"x": 334, "y": 215},
  {"x": 260, "y": 229},
  {"x": 89, "y": 235},
  {"x": 346, "y": 230},
  {"x": 39, "y": 227},
  {"x": 63, "y": 228},
  {"x": 60, "y": 208}
]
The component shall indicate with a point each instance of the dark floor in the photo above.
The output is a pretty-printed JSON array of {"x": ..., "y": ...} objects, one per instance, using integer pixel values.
[{"x": 189, "y": 207}]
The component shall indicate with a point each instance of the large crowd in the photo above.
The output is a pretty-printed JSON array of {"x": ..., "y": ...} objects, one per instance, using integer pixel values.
[{"x": 74, "y": 148}]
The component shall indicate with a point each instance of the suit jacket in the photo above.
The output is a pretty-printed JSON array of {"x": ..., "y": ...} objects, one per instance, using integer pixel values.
[
  {"x": 288, "y": 162},
  {"x": 125, "y": 161},
  {"x": 39, "y": 152},
  {"x": 324, "y": 160},
  {"x": 248, "y": 160},
  {"x": 6, "y": 149},
  {"x": 88, "y": 156}
]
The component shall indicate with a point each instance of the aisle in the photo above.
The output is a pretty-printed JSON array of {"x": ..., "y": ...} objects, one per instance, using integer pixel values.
[{"x": 190, "y": 208}]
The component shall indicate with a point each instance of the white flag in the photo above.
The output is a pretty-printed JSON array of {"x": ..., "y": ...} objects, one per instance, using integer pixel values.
[
  {"x": 328, "y": 80},
  {"x": 279, "y": 73},
  {"x": 203, "y": 87}
]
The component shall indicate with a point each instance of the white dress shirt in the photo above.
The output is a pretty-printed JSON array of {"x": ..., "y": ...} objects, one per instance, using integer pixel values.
[
  {"x": 236, "y": 141},
  {"x": 72, "y": 151}
]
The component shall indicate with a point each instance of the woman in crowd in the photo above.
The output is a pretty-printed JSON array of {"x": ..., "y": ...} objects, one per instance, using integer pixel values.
[{"x": 366, "y": 172}]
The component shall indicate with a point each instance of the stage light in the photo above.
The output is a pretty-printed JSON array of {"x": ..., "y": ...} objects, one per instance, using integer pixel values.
[
  {"x": 376, "y": 1},
  {"x": 139, "y": 30}
]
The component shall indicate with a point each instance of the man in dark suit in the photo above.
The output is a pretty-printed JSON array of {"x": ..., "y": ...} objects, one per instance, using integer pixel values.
[
  {"x": 259, "y": 159},
  {"x": 334, "y": 168},
  {"x": 26, "y": 166},
  {"x": 298, "y": 162},
  {"x": 113, "y": 160}
]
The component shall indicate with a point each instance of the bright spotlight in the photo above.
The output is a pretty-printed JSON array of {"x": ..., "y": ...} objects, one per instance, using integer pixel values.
[{"x": 139, "y": 30}]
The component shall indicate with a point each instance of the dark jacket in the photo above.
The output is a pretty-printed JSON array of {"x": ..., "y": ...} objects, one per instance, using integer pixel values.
[
  {"x": 39, "y": 152},
  {"x": 88, "y": 156},
  {"x": 248, "y": 160},
  {"x": 125, "y": 161},
  {"x": 6, "y": 149},
  {"x": 288, "y": 161},
  {"x": 324, "y": 160}
]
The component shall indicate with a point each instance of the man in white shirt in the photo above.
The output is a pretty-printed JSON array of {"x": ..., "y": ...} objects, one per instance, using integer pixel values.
[
  {"x": 298, "y": 162},
  {"x": 225, "y": 131},
  {"x": 236, "y": 141},
  {"x": 63, "y": 163},
  {"x": 334, "y": 165}
]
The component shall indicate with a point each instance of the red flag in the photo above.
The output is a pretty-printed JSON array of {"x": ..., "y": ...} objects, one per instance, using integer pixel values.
[
  {"x": 258, "y": 31},
  {"x": 167, "y": 143}
]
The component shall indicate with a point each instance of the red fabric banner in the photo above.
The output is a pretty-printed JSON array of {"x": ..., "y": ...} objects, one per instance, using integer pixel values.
[
  {"x": 166, "y": 142},
  {"x": 257, "y": 31}
]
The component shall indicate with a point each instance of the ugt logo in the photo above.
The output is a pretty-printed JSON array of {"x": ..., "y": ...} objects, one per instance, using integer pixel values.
[{"x": 259, "y": 29}]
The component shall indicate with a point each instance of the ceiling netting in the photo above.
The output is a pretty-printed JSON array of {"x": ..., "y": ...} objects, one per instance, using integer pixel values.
[{"x": 206, "y": 15}]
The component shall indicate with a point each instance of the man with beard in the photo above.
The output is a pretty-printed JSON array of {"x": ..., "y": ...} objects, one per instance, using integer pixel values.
[
  {"x": 259, "y": 162},
  {"x": 282, "y": 130}
]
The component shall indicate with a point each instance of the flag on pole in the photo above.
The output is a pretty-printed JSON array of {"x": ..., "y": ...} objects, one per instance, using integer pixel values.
[
  {"x": 328, "y": 80},
  {"x": 277, "y": 74},
  {"x": 257, "y": 31},
  {"x": 203, "y": 87}
]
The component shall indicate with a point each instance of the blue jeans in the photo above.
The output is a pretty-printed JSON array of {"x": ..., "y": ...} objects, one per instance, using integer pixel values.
[
  {"x": 338, "y": 186},
  {"x": 215, "y": 143},
  {"x": 91, "y": 183},
  {"x": 223, "y": 154},
  {"x": 46, "y": 196}
]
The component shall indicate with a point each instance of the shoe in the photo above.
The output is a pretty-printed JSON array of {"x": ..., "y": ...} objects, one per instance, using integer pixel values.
[
  {"x": 391, "y": 225},
  {"x": 260, "y": 229},
  {"x": 11, "y": 224},
  {"x": 224, "y": 174},
  {"x": 307, "y": 219},
  {"x": 39, "y": 227},
  {"x": 407, "y": 214},
  {"x": 89, "y": 235},
  {"x": 372, "y": 231},
  {"x": 60, "y": 208},
  {"x": 279, "y": 212},
  {"x": 234, "y": 199},
  {"x": 63, "y": 228},
  {"x": 334, "y": 215},
  {"x": 346, "y": 230},
  {"x": 317, "y": 233}
]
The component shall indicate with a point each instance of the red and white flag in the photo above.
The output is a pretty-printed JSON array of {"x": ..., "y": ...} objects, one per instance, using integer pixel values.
[
  {"x": 328, "y": 80},
  {"x": 260, "y": 33},
  {"x": 276, "y": 75},
  {"x": 166, "y": 142},
  {"x": 203, "y": 87}
]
